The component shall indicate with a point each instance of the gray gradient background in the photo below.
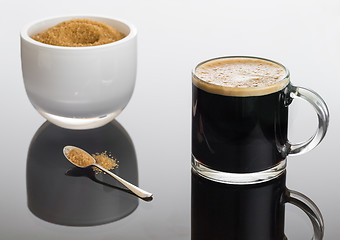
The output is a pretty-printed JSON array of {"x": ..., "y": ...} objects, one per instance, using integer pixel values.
[{"x": 173, "y": 37}]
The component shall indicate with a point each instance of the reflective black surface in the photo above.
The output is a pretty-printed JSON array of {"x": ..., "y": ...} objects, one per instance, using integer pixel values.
[{"x": 60, "y": 193}]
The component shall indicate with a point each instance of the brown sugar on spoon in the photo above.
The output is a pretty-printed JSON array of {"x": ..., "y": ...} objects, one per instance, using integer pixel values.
[
  {"x": 79, "y": 158},
  {"x": 79, "y": 33}
]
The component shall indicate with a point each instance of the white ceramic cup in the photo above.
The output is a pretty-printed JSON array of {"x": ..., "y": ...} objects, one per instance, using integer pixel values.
[{"x": 79, "y": 87}]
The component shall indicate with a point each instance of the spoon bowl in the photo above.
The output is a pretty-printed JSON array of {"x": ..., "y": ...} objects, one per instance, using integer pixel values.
[{"x": 81, "y": 161}]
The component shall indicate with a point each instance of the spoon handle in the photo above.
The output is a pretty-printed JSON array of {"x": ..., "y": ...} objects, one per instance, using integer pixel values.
[{"x": 136, "y": 190}]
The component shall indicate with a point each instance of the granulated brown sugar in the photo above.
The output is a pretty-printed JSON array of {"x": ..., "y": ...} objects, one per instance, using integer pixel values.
[
  {"x": 79, "y": 158},
  {"x": 79, "y": 33},
  {"x": 105, "y": 160}
]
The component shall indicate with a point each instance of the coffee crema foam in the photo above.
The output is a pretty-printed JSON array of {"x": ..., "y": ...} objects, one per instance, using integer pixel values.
[{"x": 240, "y": 76}]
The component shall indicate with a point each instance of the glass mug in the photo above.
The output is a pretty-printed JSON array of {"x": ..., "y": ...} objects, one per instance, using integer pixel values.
[
  {"x": 79, "y": 87},
  {"x": 246, "y": 212},
  {"x": 239, "y": 134}
]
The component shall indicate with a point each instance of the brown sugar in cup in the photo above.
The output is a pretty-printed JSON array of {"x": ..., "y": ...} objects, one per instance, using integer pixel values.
[
  {"x": 79, "y": 87},
  {"x": 79, "y": 33}
]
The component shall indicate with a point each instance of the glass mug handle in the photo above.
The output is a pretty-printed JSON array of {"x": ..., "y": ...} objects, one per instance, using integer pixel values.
[
  {"x": 309, "y": 207},
  {"x": 321, "y": 109}
]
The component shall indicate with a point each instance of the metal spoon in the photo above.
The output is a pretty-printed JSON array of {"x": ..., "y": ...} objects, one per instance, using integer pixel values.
[{"x": 136, "y": 190}]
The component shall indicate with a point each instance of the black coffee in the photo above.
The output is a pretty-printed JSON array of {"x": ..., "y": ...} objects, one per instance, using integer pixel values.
[
  {"x": 237, "y": 212},
  {"x": 239, "y": 128}
]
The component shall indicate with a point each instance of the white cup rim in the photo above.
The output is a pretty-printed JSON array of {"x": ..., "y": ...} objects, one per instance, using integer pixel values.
[{"x": 25, "y": 36}]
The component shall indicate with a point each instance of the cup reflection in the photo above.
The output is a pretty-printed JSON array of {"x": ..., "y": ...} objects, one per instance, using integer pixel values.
[{"x": 60, "y": 193}]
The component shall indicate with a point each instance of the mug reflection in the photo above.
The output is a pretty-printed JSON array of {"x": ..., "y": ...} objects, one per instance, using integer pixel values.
[
  {"x": 247, "y": 212},
  {"x": 58, "y": 192}
]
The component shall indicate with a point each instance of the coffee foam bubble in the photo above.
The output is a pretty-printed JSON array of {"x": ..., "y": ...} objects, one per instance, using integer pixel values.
[{"x": 240, "y": 76}]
